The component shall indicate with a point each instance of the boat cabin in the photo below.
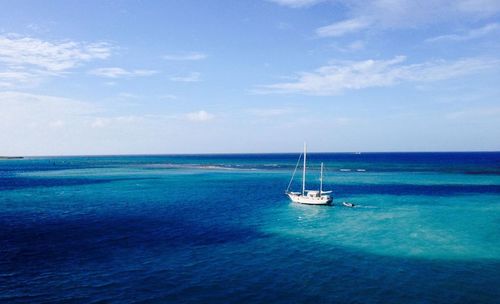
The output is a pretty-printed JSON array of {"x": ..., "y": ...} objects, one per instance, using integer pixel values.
[{"x": 313, "y": 193}]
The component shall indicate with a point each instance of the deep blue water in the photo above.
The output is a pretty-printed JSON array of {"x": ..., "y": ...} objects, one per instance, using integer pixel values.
[{"x": 218, "y": 228}]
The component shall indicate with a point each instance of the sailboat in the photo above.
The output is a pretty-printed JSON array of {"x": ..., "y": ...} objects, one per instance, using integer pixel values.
[{"x": 310, "y": 197}]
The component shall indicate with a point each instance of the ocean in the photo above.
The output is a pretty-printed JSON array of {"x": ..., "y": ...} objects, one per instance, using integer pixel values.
[{"x": 219, "y": 229}]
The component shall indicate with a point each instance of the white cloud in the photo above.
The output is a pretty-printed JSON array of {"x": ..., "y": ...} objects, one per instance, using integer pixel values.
[
  {"x": 411, "y": 13},
  {"x": 21, "y": 110},
  {"x": 199, "y": 116},
  {"x": 51, "y": 125},
  {"x": 336, "y": 77},
  {"x": 33, "y": 121},
  {"x": 49, "y": 56},
  {"x": 26, "y": 60},
  {"x": 191, "y": 56},
  {"x": 343, "y": 27},
  {"x": 191, "y": 77},
  {"x": 470, "y": 34},
  {"x": 395, "y": 14},
  {"x": 297, "y": 3},
  {"x": 115, "y": 72},
  {"x": 9, "y": 78}
]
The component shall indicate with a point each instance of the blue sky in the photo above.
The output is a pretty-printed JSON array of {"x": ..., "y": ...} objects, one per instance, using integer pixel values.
[{"x": 120, "y": 77}]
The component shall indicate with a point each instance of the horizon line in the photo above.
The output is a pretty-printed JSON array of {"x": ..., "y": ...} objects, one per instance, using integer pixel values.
[{"x": 243, "y": 153}]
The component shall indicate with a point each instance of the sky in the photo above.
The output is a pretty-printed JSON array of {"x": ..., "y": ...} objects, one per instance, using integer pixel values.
[{"x": 161, "y": 77}]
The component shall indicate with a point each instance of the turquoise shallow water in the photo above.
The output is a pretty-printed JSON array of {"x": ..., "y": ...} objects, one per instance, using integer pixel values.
[{"x": 218, "y": 228}]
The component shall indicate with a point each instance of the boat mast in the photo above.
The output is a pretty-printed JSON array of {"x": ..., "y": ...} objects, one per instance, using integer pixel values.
[
  {"x": 304, "y": 171},
  {"x": 321, "y": 181}
]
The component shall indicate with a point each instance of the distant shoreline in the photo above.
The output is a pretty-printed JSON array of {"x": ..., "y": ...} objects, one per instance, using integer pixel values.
[{"x": 10, "y": 157}]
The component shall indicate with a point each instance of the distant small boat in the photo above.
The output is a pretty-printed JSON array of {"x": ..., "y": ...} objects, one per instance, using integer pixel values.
[
  {"x": 347, "y": 204},
  {"x": 309, "y": 197}
]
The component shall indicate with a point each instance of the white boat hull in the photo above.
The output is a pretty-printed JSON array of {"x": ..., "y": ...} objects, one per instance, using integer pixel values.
[{"x": 301, "y": 199}]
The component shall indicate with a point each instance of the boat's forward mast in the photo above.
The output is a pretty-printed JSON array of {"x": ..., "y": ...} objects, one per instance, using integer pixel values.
[
  {"x": 321, "y": 181},
  {"x": 304, "y": 170}
]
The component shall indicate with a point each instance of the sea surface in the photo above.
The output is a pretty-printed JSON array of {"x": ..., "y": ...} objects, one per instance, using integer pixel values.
[{"x": 219, "y": 229}]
